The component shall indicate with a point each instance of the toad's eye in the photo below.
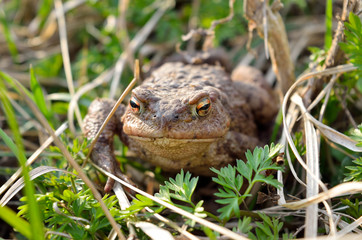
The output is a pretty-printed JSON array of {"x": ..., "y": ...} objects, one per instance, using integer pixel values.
[
  {"x": 203, "y": 107},
  {"x": 135, "y": 105}
]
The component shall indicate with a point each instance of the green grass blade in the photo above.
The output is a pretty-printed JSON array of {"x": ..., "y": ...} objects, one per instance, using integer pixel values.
[
  {"x": 10, "y": 144},
  {"x": 34, "y": 212},
  {"x": 8, "y": 38},
  {"x": 38, "y": 95},
  {"x": 328, "y": 35},
  {"x": 10, "y": 81},
  {"x": 16, "y": 222},
  {"x": 278, "y": 124},
  {"x": 45, "y": 7}
]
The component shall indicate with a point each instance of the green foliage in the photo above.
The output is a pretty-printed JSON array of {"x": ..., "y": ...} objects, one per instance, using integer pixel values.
[
  {"x": 15, "y": 221},
  {"x": 139, "y": 203},
  {"x": 213, "y": 10},
  {"x": 181, "y": 189},
  {"x": 49, "y": 67},
  {"x": 39, "y": 97},
  {"x": 8, "y": 36},
  {"x": 72, "y": 210},
  {"x": 353, "y": 45},
  {"x": 45, "y": 7},
  {"x": 231, "y": 178},
  {"x": 244, "y": 225},
  {"x": 78, "y": 148},
  {"x": 354, "y": 210},
  {"x": 300, "y": 3},
  {"x": 176, "y": 191},
  {"x": 329, "y": 20},
  {"x": 317, "y": 55},
  {"x": 356, "y": 134},
  {"x": 355, "y": 173},
  {"x": 269, "y": 228}
]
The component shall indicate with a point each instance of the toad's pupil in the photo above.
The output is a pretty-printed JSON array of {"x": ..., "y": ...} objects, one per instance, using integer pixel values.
[
  {"x": 134, "y": 104},
  {"x": 203, "y": 107}
]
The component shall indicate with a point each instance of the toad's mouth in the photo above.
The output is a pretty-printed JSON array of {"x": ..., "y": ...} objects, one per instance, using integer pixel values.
[
  {"x": 175, "y": 149},
  {"x": 167, "y": 141},
  {"x": 136, "y": 128}
]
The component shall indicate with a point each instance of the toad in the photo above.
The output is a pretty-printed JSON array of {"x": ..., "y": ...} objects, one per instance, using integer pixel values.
[{"x": 186, "y": 116}]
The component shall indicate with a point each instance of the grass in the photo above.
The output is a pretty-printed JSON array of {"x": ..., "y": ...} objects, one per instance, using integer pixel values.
[{"x": 316, "y": 187}]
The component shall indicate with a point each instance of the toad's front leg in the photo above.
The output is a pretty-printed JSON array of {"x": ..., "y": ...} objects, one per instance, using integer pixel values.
[{"x": 103, "y": 152}]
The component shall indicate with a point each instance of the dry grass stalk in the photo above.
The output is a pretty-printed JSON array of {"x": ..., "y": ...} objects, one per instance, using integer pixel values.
[
  {"x": 65, "y": 55},
  {"x": 339, "y": 190},
  {"x": 269, "y": 24}
]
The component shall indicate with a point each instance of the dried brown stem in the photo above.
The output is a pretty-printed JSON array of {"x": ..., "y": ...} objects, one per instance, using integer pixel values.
[
  {"x": 122, "y": 29},
  {"x": 269, "y": 24}
]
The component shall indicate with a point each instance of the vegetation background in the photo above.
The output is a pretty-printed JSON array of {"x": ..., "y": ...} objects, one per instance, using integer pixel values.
[{"x": 57, "y": 56}]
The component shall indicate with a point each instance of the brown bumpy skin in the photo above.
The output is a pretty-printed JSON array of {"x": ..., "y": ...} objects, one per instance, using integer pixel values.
[{"x": 186, "y": 116}]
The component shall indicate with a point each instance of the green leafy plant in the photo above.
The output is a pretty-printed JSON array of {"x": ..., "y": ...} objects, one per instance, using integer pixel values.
[
  {"x": 69, "y": 207},
  {"x": 356, "y": 134},
  {"x": 268, "y": 228},
  {"x": 181, "y": 189},
  {"x": 231, "y": 178},
  {"x": 355, "y": 173},
  {"x": 178, "y": 192},
  {"x": 352, "y": 46},
  {"x": 354, "y": 210}
]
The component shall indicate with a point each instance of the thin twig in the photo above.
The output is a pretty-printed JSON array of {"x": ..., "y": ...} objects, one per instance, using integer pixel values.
[
  {"x": 119, "y": 101},
  {"x": 265, "y": 24},
  {"x": 122, "y": 31},
  {"x": 66, "y": 60},
  {"x": 345, "y": 109}
]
